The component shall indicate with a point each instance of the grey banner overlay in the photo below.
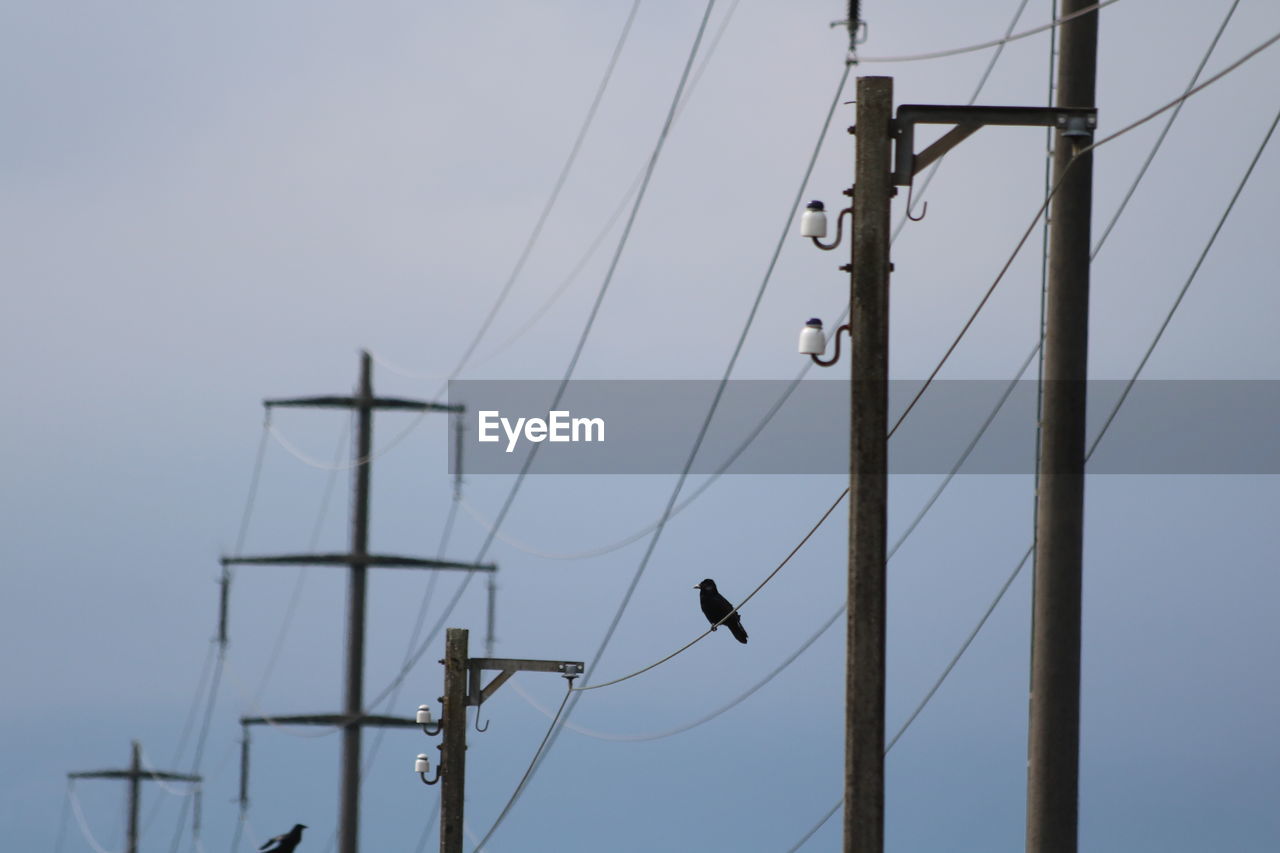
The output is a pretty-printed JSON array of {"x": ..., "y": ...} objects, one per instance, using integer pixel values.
[{"x": 649, "y": 426}]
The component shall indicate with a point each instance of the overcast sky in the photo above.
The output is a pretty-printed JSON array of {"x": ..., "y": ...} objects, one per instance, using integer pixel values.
[{"x": 209, "y": 205}]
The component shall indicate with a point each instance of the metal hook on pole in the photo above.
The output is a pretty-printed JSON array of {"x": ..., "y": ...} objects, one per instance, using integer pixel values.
[
  {"x": 827, "y": 247},
  {"x": 821, "y": 362},
  {"x": 924, "y": 208}
]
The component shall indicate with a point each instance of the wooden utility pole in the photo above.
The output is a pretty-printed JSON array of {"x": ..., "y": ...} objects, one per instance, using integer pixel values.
[
  {"x": 868, "y": 463},
  {"x": 1054, "y": 731},
  {"x": 453, "y": 746},
  {"x": 359, "y": 560},
  {"x": 463, "y": 686},
  {"x": 135, "y": 775}
]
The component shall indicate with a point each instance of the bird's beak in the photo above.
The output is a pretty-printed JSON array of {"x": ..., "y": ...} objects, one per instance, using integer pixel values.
[{"x": 697, "y": 586}]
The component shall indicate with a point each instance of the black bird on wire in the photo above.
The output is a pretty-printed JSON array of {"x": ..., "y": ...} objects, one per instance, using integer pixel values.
[
  {"x": 285, "y": 843},
  {"x": 716, "y": 607}
]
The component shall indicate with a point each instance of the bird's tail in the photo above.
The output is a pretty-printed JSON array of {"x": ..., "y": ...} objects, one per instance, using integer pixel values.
[{"x": 734, "y": 625}]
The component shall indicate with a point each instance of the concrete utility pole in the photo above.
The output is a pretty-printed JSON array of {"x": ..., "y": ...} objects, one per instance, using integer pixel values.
[
  {"x": 868, "y": 469},
  {"x": 353, "y": 718},
  {"x": 135, "y": 775},
  {"x": 1053, "y": 748},
  {"x": 462, "y": 687}
]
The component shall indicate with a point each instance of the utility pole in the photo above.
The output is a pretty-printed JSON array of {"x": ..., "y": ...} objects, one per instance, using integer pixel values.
[
  {"x": 135, "y": 775},
  {"x": 880, "y": 135},
  {"x": 463, "y": 686},
  {"x": 1056, "y": 657},
  {"x": 1053, "y": 748},
  {"x": 868, "y": 465},
  {"x": 453, "y": 746},
  {"x": 359, "y": 560}
]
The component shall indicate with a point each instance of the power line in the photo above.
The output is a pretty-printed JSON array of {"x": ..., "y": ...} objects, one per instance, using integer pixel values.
[
  {"x": 840, "y": 498},
  {"x": 1106, "y": 232},
  {"x": 657, "y": 533},
  {"x": 295, "y": 595},
  {"x": 555, "y": 191},
  {"x": 254, "y": 480},
  {"x": 652, "y": 526},
  {"x": 428, "y": 595},
  {"x": 760, "y": 586},
  {"x": 81, "y": 822},
  {"x": 425, "y": 837},
  {"x": 536, "y": 315},
  {"x": 768, "y": 416},
  {"x": 613, "y": 266},
  {"x": 62, "y": 821},
  {"x": 715, "y": 403},
  {"x": 299, "y": 454},
  {"x": 1119, "y": 402},
  {"x": 286, "y": 622},
  {"x": 902, "y": 538},
  {"x": 1095, "y": 146},
  {"x": 187, "y": 728},
  {"x": 1000, "y": 42},
  {"x": 158, "y": 777},
  {"x": 946, "y": 355},
  {"x": 553, "y": 730},
  {"x": 706, "y": 484},
  {"x": 412, "y": 657},
  {"x": 411, "y": 661},
  {"x": 1182, "y": 292},
  {"x": 922, "y": 390},
  {"x": 211, "y": 702},
  {"x": 577, "y": 352},
  {"x": 609, "y": 222},
  {"x": 527, "y": 773},
  {"x": 942, "y": 362},
  {"x": 1184, "y": 96},
  {"x": 201, "y": 741},
  {"x": 901, "y": 418}
]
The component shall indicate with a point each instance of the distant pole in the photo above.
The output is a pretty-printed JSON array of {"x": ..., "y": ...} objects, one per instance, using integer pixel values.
[
  {"x": 135, "y": 797},
  {"x": 354, "y": 717},
  {"x": 244, "y": 769},
  {"x": 453, "y": 746},
  {"x": 1053, "y": 750},
  {"x": 135, "y": 775},
  {"x": 490, "y": 616},
  {"x": 349, "y": 817},
  {"x": 868, "y": 457}
]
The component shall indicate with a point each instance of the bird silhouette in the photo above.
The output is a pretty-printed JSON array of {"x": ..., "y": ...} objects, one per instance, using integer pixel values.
[
  {"x": 285, "y": 843},
  {"x": 716, "y": 607}
]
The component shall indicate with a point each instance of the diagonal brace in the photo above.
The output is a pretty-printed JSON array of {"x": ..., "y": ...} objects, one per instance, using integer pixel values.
[{"x": 945, "y": 143}]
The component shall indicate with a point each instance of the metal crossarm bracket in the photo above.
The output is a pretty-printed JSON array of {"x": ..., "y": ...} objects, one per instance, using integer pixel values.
[
  {"x": 336, "y": 720},
  {"x": 337, "y": 401},
  {"x": 375, "y": 561},
  {"x": 507, "y": 667},
  {"x": 134, "y": 774},
  {"x": 1077, "y": 121}
]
